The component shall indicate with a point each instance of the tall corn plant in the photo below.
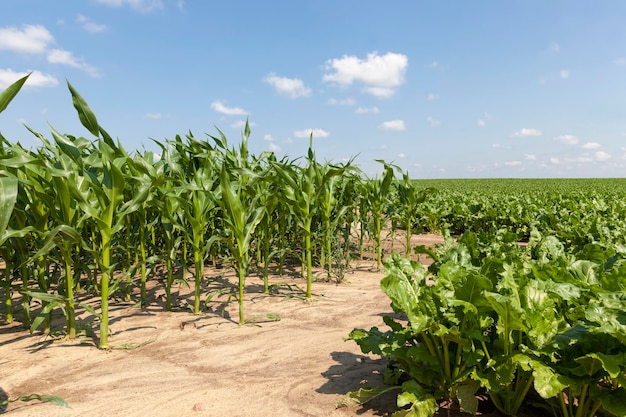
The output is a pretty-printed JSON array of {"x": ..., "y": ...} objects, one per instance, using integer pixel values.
[
  {"x": 105, "y": 172},
  {"x": 377, "y": 192},
  {"x": 409, "y": 197},
  {"x": 302, "y": 187},
  {"x": 240, "y": 206},
  {"x": 196, "y": 183},
  {"x": 8, "y": 197},
  {"x": 241, "y": 216}
]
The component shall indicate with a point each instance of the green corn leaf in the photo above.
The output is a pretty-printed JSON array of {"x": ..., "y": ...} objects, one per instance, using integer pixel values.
[
  {"x": 8, "y": 196},
  {"x": 11, "y": 91},
  {"x": 52, "y": 399},
  {"x": 85, "y": 114}
]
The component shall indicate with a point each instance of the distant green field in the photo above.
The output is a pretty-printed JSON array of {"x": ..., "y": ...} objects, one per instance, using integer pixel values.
[{"x": 560, "y": 185}]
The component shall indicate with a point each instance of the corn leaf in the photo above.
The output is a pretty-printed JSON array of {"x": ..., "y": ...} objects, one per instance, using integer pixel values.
[
  {"x": 10, "y": 92},
  {"x": 85, "y": 114}
]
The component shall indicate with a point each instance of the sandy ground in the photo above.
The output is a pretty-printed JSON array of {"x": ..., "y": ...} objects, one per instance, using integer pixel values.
[{"x": 207, "y": 365}]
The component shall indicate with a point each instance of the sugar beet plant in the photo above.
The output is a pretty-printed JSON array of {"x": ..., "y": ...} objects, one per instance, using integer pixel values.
[{"x": 506, "y": 321}]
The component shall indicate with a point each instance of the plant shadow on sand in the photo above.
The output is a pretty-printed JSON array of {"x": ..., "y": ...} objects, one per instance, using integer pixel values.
[{"x": 352, "y": 372}]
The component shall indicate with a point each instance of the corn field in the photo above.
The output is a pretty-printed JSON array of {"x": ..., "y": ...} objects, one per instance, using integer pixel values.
[{"x": 81, "y": 215}]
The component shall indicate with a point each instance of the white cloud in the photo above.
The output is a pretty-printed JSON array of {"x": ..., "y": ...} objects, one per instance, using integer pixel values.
[
  {"x": 584, "y": 159},
  {"x": 620, "y": 61},
  {"x": 567, "y": 139},
  {"x": 60, "y": 56},
  {"x": 143, "y": 6},
  {"x": 305, "y": 133},
  {"x": 401, "y": 155},
  {"x": 496, "y": 146},
  {"x": 36, "y": 39},
  {"x": 554, "y": 160},
  {"x": 434, "y": 64},
  {"x": 602, "y": 156},
  {"x": 554, "y": 47},
  {"x": 363, "y": 110},
  {"x": 397, "y": 125},
  {"x": 433, "y": 122},
  {"x": 591, "y": 145},
  {"x": 530, "y": 157},
  {"x": 89, "y": 25},
  {"x": 526, "y": 132},
  {"x": 31, "y": 39},
  {"x": 153, "y": 116},
  {"x": 268, "y": 137},
  {"x": 292, "y": 87},
  {"x": 344, "y": 102},
  {"x": 273, "y": 147},
  {"x": 432, "y": 97},
  {"x": 219, "y": 107},
  {"x": 564, "y": 73},
  {"x": 240, "y": 124},
  {"x": 381, "y": 75},
  {"x": 36, "y": 79},
  {"x": 487, "y": 117},
  {"x": 512, "y": 163}
]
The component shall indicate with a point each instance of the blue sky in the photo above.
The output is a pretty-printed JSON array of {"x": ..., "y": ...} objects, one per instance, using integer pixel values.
[{"x": 444, "y": 89}]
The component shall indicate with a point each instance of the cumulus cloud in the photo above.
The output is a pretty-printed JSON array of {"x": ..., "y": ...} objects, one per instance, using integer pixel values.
[
  {"x": 554, "y": 47},
  {"x": 602, "y": 156},
  {"x": 317, "y": 133},
  {"x": 89, "y": 25},
  {"x": 487, "y": 117},
  {"x": 554, "y": 160},
  {"x": 153, "y": 116},
  {"x": 567, "y": 139},
  {"x": 36, "y": 39},
  {"x": 240, "y": 124},
  {"x": 433, "y": 122},
  {"x": 364, "y": 110},
  {"x": 526, "y": 132},
  {"x": 381, "y": 75},
  {"x": 619, "y": 61},
  {"x": 343, "y": 102},
  {"x": 496, "y": 146},
  {"x": 591, "y": 145},
  {"x": 530, "y": 157},
  {"x": 143, "y": 6},
  {"x": 512, "y": 163},
  {"x": 291, "y": 87},
  {"x": 31, "y": 39},
  {"x": 219, "y": 107},
  {"x": 273, "y": 147},
  {"x": 432, "y": 97},
  {"x": 60, "y": 56},
  {"x": 36, "y": 79},
  {"x": 397, "y": 125},
  {"x": 564, "y": 73},
  {"x": 401, "y": 155}
]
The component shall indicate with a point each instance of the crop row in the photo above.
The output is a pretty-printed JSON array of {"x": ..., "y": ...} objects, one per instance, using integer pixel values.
[
  {"x": 84, "y": 216},
  {"x": 536, "y": 325}
]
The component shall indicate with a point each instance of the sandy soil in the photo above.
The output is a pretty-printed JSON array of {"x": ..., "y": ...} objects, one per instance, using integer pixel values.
[{"x": 207, "y": 365}]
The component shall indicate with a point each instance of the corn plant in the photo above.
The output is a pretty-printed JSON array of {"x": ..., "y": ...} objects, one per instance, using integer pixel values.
[
  {"x": 241, "y": 219},
  {"x": 196, "y": 183},
  {"x": 301, "y": 189},
  {"x": 377, "y": 193}
]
